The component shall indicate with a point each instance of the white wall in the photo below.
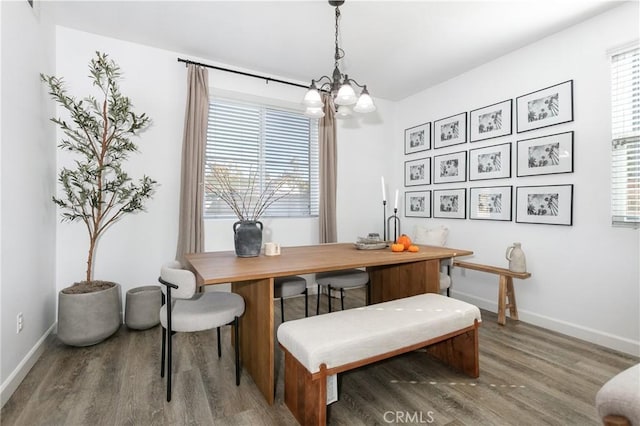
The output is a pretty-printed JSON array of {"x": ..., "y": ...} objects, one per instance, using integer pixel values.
[
  {"x": 585, "y": 278},
  {"x": 27, "y": 176}
]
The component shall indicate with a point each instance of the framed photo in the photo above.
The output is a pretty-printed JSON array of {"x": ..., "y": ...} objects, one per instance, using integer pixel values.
[
  {"x": 491, "y": 121},
  {"x": 417, "y": 204},
  {"x": 417, "y": 172},
  {"x": 450, "y": 167},
  {"x": 490, "y": 203},
  {"x": 551, "y": 204},
  {"x": 450, "y": 203},
  {"x": 491, "y": 162},
  {"x": 417, "y": 138},
  {"x": 450, "y": 131},
  {"x": 545, "y": 155},
  {"x": 546, "y": 107}
]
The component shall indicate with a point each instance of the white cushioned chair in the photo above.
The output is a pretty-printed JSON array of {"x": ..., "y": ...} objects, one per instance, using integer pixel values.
[
  {"x": 437, "y": 237},
  {"x": 340, "y": 280},
  {"x": 290, "y": 286},
  {"x": 618, "y": 401},
  {"x": 191, "y": 311}
]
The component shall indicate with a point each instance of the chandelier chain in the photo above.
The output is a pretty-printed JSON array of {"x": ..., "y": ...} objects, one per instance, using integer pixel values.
[{"x": 339, "y": 52}]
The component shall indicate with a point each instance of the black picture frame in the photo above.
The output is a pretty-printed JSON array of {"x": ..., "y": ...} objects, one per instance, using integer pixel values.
[
  {"x": 417, "y": 204},
  {"x": 545, "y": 107},
  {"x": 417, "y": 138},
  {"x": 492, "y": 121},
  {"x": 491, "y": 203},
  {"x": 490, "y": 162},
  {"x": 450, "y": 131},
  {"x": 450, "y": 203},
  {"x": 417, "y": 172},
  {"x": 545, "y": 155},
  {"x": 450, "y": 168},
  {"x": 545, "y": 204}
]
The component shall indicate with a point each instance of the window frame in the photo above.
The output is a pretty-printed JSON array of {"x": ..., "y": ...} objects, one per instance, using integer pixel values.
[{"x": 311, "y": 167}]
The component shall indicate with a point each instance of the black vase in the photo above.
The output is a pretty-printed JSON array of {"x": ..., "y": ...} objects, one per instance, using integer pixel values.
[{"x": 247, "y": 236}]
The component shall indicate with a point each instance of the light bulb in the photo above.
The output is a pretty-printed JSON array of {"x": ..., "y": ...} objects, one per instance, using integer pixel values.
[
  {"x": 346, "y": 95},
  {"x": 314, "y": 112},
  {"x": 312, "y": 98},
  {"x": 343, "y": 112},
  {"x": 365, "y": 103}
]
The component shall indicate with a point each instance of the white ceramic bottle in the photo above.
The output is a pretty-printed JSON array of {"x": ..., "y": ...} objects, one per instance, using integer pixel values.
[{"x": 515, "y": 256}]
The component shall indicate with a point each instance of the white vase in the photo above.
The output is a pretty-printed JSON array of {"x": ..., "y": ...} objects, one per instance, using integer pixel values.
[{"x": 516, "y": 258}]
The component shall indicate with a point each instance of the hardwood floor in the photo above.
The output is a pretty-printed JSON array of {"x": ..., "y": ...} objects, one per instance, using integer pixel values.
[{"x": 528, "y": 376}]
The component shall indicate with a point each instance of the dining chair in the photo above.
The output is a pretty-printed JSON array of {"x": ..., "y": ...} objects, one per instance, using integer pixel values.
[
  {"x": 190, "y": 311},
  {"x": 341, "y": 280},
  {"x": 437, "y": 237},
  {"x": 290, "y": 286}
]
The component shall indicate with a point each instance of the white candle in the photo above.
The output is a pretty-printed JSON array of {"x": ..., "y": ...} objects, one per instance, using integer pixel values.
[
  {"x": 384, "y": 193},
  {"x": 395, "y": 206}
]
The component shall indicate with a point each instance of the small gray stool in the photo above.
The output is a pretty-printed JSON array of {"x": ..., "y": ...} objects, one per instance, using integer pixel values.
[
  {"x": 290, "y": 286},
  {"x": 142, "y": 309},
  {"x": 347, "y": 278},
  {"x": 618, "y": 400}
]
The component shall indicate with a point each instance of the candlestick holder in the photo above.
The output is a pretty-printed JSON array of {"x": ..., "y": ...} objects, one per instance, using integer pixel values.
[
  {"x": 384, "y": 220},
  {"x": 396, "y": 224}
]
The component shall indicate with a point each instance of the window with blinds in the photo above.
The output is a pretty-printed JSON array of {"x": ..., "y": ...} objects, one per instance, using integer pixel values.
[
  {"x": 625, "y": 129},
  {"x": 263, "y": 146}
]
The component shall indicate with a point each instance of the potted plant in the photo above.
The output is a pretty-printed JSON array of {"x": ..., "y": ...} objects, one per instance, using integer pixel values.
[
  {"x": 243, "y": 194},
  {"x": 96, "y": 191}
]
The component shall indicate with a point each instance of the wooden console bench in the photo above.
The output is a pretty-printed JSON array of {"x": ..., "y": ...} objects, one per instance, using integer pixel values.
[
  {"x": 505, "y": 289},
  {"x": 323, "y": 345}
]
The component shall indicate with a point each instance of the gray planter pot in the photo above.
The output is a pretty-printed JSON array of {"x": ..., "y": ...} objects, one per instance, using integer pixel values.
[{"x": 89, "y": 318}]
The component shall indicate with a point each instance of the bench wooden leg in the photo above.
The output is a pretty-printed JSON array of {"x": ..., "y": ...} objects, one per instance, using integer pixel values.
[
  {"x": 502, "y": 300},
  {"x": 305, "y": 397},
  {"x": 511, "y": 295},
  {"x": 459, "y": 352},
  {"x": 506, "y": 299}
]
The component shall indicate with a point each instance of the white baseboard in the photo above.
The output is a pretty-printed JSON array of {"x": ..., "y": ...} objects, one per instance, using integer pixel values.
[
  {"x": 598, "y": 337},
  {"x": 16, "y": 377}
]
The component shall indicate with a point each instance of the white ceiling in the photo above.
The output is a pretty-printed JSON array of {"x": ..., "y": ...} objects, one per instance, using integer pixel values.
[{"x": 397, "y": 48}]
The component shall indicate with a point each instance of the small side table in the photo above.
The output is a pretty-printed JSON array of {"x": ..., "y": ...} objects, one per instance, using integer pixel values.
[
  {"x": 506, "y": 293},
  {"x": 142, "y": 309}
]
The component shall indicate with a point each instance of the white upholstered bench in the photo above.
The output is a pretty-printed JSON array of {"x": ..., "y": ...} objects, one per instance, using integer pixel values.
[{"x": 325, "y": 345}]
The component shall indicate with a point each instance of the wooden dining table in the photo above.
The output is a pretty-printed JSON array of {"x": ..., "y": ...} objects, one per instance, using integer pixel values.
[{"x": 392, "y": 276}]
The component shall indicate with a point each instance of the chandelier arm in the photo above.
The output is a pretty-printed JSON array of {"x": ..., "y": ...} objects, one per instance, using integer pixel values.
[{"x": 350, "y": 80}]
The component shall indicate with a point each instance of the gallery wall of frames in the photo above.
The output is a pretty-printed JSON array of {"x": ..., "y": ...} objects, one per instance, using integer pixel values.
[{"x": 471, "y": 151}]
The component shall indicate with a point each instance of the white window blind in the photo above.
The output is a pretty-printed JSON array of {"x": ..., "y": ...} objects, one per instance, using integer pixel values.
[
  {"x": 625, "y": 129},
  {"x": 264, "y": 143}
]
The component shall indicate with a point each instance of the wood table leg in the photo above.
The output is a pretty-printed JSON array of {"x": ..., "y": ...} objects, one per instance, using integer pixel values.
[
  {"x": 502, "y": 302},
  {"x": 257, "y": 350},
  {"x": 392, "y": 282},
  {"x": 511, "y": 295}
]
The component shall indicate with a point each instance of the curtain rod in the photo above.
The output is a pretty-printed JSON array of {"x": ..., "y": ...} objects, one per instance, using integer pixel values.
[{"x": 268, "y": 79}]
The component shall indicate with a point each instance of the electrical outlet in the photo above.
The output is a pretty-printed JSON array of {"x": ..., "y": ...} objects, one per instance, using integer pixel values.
[{"x": 19, "y": 322}]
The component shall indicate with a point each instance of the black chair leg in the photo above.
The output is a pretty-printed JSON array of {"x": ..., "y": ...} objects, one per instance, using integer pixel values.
[
  {"x": 219, "y": 346},
  {"x": 448, "y": 294},
  {"x": 329, "y": 296},
  {"x": 318, "y": 301},
  {"x": 164, "y": 346},
  {"x": 169, "y": 364},
  {"x": 282, "y": 308},
  {"x": 306, "y": 303},
  {"x": 342, "y": 298},
  {"x": 237, "y": 345}
]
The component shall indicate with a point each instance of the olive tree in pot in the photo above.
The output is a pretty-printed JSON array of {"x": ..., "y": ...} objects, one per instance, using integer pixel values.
[{"x": 96, "y": 191}]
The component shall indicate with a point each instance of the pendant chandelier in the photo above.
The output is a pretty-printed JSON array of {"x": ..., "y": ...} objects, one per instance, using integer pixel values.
[{"x": 339, "y": 85}]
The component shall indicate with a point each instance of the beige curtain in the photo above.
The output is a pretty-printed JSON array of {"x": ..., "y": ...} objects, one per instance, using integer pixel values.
[
  {"x": 328, "y": 172},
  {"x": 190, "y": 226}
]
